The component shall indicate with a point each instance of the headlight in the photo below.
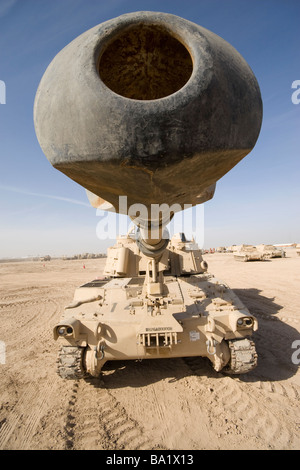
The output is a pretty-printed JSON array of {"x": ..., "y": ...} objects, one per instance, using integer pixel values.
[
  {"x": 64, "y": 330},
  {"x": 69, "y": 327},
  {"x": 245, "y": 322}
]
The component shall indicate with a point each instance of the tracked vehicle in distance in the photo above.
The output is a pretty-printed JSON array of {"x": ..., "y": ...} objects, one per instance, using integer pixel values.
[
  {"x": 249, "y": 253},
  {"x": 154, "y": 108},
  {"x": 271, "y": 251}
]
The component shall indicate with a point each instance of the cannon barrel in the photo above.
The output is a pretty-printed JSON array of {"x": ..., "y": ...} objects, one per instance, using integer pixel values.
[{"x": 150, "y": 106}]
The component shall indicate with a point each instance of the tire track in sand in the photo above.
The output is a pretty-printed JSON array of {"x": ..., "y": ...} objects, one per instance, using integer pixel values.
[
  {"x": 34, "y": 402},
  {"x": 247, "y": 406},
  {"x": 17, "y": 430},
  {"x": 97, "y": 421}
]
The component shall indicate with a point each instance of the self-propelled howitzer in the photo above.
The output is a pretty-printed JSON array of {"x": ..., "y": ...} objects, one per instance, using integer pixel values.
[{"x": 155, "y": 108}]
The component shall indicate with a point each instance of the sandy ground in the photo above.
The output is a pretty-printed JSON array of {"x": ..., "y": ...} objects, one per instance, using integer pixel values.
[{"x": 159, "y": 404}]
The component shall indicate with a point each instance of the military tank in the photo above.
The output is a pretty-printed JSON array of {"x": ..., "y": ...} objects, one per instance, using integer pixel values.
[
  {"x": 249, "y": 253},
  {"x": 156, "y": 109},
  {"x": 270, "y": 251}
]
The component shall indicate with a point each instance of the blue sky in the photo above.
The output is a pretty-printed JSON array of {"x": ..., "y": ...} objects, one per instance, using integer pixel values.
[{"x": 42, "y": 211}]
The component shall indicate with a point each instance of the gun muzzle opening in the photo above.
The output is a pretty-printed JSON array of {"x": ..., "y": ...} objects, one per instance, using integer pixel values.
[{"x": 145, "y": 62}]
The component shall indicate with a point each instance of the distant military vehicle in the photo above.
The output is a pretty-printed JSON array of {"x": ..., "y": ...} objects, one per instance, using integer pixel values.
[
  {"x": 298, "y": 249},
  {"x": 157, "y": 109},
  {"x": 270, "y": 251},
  {"x": 45, "y": 258},
  {"x": 248, "y": 253}
]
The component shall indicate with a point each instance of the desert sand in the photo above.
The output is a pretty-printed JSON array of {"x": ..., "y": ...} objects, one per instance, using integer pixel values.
[{"x": 160, "y": 404}]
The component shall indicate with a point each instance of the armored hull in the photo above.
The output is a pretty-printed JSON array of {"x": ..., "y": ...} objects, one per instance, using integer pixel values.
[{"x": 186, "y": 312}]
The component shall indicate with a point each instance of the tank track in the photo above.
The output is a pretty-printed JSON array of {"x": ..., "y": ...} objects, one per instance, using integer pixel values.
[
  {"x": 243, "y": 356},
  {"x": 70, "y": 363}
]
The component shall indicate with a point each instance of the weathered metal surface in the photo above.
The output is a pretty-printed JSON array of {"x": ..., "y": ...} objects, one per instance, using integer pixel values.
[{"x": 148, "y": 105}]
